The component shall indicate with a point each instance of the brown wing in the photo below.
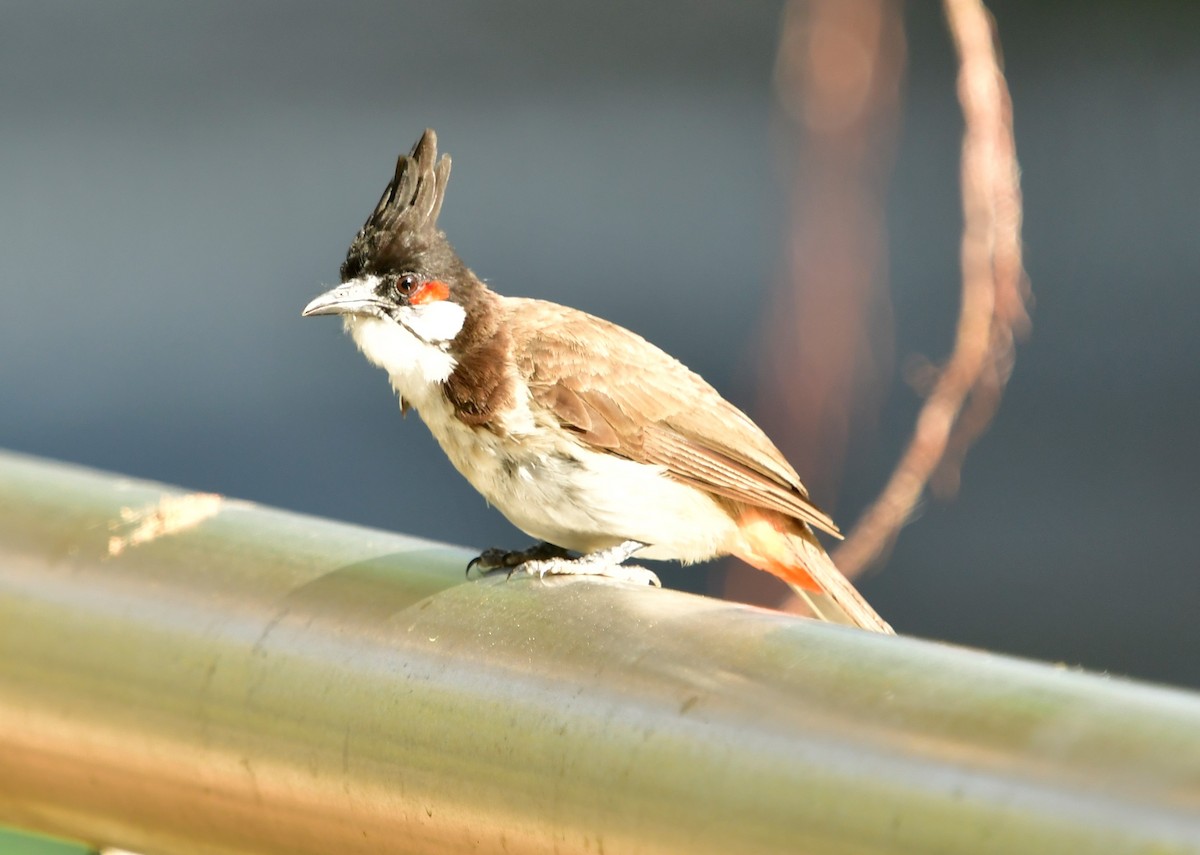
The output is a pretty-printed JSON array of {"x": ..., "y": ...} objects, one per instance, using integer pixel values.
[{"x": 623, "y": 395}]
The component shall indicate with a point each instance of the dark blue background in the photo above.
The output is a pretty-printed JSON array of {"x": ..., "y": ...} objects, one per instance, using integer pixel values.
[{"x": 176, "y": 182}]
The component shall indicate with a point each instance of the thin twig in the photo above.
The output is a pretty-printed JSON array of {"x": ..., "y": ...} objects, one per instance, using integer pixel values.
[{"x": 994, "y": 296}]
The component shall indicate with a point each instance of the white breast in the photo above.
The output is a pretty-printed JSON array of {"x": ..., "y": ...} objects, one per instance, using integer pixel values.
[{"x": 557, "y": 490}]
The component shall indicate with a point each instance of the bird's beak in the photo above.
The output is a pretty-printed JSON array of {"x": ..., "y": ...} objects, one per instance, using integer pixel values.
[{"x": 356, "y": 297}]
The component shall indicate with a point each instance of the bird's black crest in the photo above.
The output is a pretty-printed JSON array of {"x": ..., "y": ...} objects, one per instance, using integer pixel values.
[{"x": 404, "y": 223}]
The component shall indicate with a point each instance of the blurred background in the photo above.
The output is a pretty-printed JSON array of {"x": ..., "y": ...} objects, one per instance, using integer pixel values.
[{"x": 177, "y": 181}]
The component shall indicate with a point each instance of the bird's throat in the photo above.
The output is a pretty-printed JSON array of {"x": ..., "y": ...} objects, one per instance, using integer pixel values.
[{"x": 415, "y": 367}]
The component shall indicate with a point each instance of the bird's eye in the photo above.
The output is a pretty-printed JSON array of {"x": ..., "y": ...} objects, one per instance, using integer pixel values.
[{"x": 406, "y": 284}]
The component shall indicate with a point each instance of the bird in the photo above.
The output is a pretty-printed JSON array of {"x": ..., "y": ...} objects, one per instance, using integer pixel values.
[{"x": 586, "y": 436}]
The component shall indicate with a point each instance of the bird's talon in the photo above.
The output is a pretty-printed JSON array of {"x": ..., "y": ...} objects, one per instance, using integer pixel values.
[
  {"x": 545, "y": 559},
  {"x": 495, "y": 558}
]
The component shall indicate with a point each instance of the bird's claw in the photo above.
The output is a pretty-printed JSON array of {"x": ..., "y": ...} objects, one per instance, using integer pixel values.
[
  {"x": 495, "y": 558},
  {"x": 546, "y": 559}
]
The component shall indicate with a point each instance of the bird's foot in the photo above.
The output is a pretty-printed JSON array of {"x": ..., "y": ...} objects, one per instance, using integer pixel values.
[
  {"x": 582, "y": 566},
  {"x": 545, "y": 559},
  {"x": 606, "y": 563},
  {"x": 494, "y": 559}
]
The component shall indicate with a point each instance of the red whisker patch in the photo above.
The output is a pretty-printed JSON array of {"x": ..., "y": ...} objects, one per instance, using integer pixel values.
[{"x": 430, "y": 292}]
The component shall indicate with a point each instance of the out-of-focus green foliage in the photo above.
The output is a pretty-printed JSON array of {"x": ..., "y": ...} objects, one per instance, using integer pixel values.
[{"x": 21, "y": 843}]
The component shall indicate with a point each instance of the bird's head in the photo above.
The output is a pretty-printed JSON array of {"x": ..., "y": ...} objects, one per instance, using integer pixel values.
[{"x": 401, "y": 275}]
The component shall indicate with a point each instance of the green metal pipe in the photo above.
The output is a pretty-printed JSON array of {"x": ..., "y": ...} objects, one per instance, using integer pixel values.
[{"x": 188, "y": 674}]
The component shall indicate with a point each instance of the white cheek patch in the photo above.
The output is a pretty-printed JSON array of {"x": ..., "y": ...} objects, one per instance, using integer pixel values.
[
  {"x": 412, "y": 347},
  {"x": 414, "y": 367},
  {"x": 436, "y": 322}
]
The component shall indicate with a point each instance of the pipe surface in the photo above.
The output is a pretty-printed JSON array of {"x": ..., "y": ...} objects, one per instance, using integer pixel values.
[{"x": 183, "y": 673}]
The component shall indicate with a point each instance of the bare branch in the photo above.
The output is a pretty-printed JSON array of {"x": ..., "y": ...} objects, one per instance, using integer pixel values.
[{"x": 995, "y": 292}]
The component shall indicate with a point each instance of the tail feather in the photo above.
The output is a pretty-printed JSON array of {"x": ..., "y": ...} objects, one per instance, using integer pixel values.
[
  {"x": 837, "y": 601},
  {"x": 788, "y": 549}
]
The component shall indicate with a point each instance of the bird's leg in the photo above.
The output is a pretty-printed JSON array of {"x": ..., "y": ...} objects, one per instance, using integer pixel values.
[
  {"x": 604, "y": 562},
  {"x": 510, "y": 560}
]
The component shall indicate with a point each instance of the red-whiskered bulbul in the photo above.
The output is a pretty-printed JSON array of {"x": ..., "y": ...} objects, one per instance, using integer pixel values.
[{"x": 586, "y": 436}]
